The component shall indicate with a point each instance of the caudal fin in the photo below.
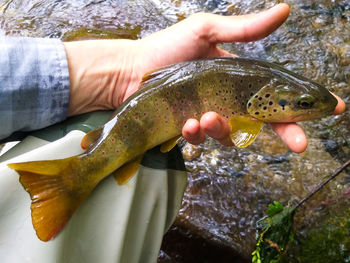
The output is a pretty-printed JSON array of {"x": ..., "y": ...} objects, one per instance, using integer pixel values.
[{"x": 53, "y": 199}]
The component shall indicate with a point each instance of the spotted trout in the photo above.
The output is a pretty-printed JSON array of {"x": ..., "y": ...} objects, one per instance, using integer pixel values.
[{"x": 247, "y": 92}]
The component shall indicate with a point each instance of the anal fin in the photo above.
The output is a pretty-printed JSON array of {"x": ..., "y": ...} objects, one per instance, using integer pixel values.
[
  {"x": 244, "y": 130},
  {"x": 125, "y": 172}
]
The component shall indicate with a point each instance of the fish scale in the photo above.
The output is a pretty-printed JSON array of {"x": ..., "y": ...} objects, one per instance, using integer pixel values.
[{"x": 247, "y": 92}]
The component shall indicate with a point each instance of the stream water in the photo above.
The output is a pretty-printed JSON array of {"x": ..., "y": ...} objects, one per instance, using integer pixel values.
[{"x": 229, "y": 189}]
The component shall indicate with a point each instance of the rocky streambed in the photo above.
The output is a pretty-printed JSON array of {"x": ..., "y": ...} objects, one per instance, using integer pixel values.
[{"x": 228, "y": 189}]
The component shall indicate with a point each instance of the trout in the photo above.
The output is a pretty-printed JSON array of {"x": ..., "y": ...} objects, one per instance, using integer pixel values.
[{"x": 247, "y": 92}]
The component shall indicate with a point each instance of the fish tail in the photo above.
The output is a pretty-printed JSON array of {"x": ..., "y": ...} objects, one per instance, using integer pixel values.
[{"x": 54, "y": 199}]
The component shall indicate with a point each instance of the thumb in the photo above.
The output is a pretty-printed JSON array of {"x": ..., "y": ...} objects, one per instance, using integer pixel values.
[{"x": 245, "y": 28}]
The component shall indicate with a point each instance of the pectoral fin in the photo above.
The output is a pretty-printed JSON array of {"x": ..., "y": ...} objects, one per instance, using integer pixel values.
[
  {"x": 90, "y": 138},
  {"x": 124, "y": 173},
  {"x": 168, "y": 145},
  {"x": 244, "y": 130}
]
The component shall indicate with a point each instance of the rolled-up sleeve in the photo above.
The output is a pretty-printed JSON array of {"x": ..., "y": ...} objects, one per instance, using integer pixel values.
[{"x": 34, "y": 84}]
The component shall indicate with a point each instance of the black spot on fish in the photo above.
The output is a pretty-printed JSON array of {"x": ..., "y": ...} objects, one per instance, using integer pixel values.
[
  {"x": 274, "y": 110},
  {"x": 260, "y": 98},
  {"x": 256, "y": 96},
  {"x": 259, "y": 105},
  {"x": 270, "y": 103},
  {"x": 265, "y": 108},
  {"x": 241, "y": 80},
  {"x": 250, "y": 85},
  {"x": 249, "y": 104},
  {"x": 251, "y": 94},
  {"x": 267, "y": 95},
  {"x": 256, "y": 113}
]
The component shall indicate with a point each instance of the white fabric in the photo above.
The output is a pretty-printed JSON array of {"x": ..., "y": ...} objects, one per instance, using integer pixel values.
[{"x": 116, "y": 224}]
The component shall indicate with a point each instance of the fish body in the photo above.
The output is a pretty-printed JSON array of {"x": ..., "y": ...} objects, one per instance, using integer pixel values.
[{"x": 236, "y": 88}]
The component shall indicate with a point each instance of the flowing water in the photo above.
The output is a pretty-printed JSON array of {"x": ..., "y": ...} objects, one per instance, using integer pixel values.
[{"x": 229, "y": 189}]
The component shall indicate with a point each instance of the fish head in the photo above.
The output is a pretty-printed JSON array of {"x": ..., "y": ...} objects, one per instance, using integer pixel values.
[{"x": 291, "y": 100}]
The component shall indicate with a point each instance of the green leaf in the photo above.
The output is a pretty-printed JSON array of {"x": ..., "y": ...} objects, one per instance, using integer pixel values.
[
  {"x": 274, "y": 208},
  {"x": 274, "y": 233}
]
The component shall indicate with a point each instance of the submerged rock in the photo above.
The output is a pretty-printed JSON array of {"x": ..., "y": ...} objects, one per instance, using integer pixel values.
[{"x": 229, "y": 189}]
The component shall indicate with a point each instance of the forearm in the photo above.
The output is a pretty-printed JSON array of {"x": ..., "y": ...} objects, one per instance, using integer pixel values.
[
  {"x": 34, "y": 84},
  {"x": 101, "y": 71}
]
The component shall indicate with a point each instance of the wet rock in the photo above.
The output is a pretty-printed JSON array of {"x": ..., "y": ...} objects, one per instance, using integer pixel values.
[
  {"x": 190, "y": 151},
  {"x": 230, "y": 189},
  {"x": 181, "y": 246}
]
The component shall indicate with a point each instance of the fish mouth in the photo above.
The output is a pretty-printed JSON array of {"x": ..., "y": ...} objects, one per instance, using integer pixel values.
[{"x": 310, "y": 115}]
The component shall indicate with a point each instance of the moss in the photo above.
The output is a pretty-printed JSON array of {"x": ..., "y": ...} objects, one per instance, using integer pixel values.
[
  {"x": 327, "y": 242},
  {"x": 127, "y": 32}
]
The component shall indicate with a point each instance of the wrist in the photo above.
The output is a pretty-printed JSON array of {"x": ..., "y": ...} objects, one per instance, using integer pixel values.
[{"x": 100, "y": 73}]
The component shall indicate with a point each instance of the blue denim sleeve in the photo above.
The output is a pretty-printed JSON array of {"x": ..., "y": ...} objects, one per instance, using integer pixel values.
[{"x": 34, "y": 84}]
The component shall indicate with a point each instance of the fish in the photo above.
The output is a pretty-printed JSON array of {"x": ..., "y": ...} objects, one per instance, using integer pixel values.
[{"x": 246, "y": 92}]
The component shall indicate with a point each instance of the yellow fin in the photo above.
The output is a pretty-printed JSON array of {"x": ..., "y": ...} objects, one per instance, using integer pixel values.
[
  {"x": 53, "y": 202},
  {"x": 124, "y": 173},
  {"x": 168, "y": 145},
  {"x": 244, "y": 130},
  {"x": 90, "y": 138},
  {"x": 161, "y": 74},
  {"x": 149, "y": 75}
]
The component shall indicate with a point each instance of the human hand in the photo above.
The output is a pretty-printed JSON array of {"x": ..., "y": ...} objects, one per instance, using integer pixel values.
[
  {"x": 197, "y": 37},
  {"x": 109, "y": 71}
]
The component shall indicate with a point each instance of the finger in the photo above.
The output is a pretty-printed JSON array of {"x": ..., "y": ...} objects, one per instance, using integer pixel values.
[
  {"x": 192, "y": 132},
  {"x": 223, "y": 53},
  {"x": 292, "y": 135},
  {"x": 340, "y": 108},
  {"x": 246, "y": 28},
  {"x": 216, "y": 127}
]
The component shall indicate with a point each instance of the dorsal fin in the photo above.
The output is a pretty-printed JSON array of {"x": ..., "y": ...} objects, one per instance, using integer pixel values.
[
  {"x": 149, "y": 75},
  {"x": 162, "y": 74}
]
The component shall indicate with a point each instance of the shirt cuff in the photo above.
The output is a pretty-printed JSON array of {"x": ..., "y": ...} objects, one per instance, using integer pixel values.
[{"x": 34, "y": 83}]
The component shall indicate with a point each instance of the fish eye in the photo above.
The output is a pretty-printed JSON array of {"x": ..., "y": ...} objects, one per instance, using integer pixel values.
[{"x": 305, "y": 101}]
